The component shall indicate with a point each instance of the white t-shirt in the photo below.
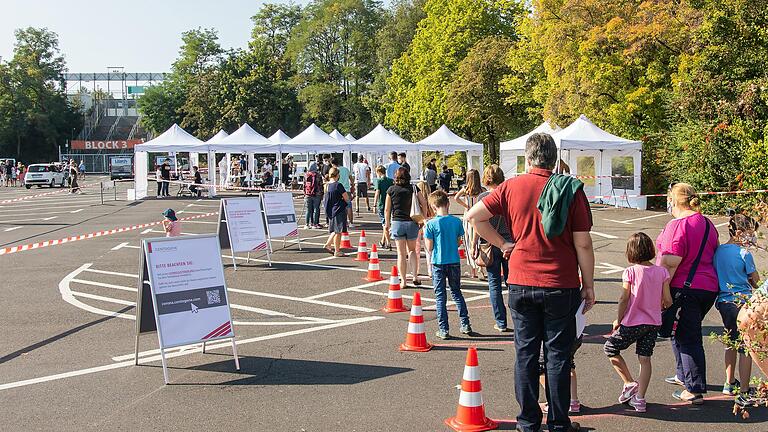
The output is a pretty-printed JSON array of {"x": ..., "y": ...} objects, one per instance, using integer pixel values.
[{"x": 360, "y": 171}]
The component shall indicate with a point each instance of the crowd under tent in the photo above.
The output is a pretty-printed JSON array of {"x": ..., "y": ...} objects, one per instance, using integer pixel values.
[
  {"x": 512, "y": 152},
  {"x": 174, "y": 140},
  {"x": 446, "y": 141}
]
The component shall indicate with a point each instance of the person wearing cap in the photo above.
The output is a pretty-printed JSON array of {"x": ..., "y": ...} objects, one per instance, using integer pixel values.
[{"x": 171, "y": 224}]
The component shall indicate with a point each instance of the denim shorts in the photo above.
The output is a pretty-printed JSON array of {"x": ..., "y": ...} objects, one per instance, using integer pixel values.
[
  {"x": 405, "y": 230},
  {"x": 730, "y": 312}
]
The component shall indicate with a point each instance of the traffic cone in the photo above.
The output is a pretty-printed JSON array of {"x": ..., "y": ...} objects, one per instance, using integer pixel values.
[
  {"x": 394, "y": 298},
  {"x": 462, "y": 250},
  {"x": 362, "y": 248},
  {"x": 374, "y": 271},
  {"x": 345, "y": 244},
  {"x": 470, "y": 415},
  {"x": 416, "y": 339}
]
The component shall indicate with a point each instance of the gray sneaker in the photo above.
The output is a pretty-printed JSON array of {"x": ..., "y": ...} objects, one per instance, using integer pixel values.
[
  {"x": 674, "y": 380},
  {"x": 466, "y": 329},
  {"x": 442, "y": 334}
]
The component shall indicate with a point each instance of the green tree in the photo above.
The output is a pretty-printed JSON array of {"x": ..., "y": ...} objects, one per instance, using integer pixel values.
[
  {"x": 392, "y": 40},
  {"x": 418, "y": 85},
  {"x": 36, "y": 114},
  {"x": 475, "y": 101},
  {"x": 333, "y": 48}
]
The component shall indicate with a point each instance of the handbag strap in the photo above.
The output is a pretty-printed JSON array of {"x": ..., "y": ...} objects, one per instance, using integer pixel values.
[{"x": 695, "y": 265}]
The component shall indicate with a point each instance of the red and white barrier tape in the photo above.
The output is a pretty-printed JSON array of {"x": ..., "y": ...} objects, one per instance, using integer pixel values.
[
  {"x": 31, "y": 246},
  {"x": 664, "y": 195},
  {"x": 66, "y": 189}
]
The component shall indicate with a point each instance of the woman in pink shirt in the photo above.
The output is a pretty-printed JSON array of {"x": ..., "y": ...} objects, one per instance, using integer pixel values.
[
  {"x": 171, "y": 224},
  {"x": 678, "y": 246}
]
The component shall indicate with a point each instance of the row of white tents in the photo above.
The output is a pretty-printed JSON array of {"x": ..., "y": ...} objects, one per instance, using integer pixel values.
[
  {"x": 609, "y": 165},
  {"x": 375, "y": 145}
]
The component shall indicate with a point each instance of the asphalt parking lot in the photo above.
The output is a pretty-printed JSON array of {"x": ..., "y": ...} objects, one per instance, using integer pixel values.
[{"x": 316, "y": 352}]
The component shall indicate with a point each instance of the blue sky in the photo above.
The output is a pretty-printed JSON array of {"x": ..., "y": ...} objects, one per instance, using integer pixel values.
[{"x": 140, "y": 35}]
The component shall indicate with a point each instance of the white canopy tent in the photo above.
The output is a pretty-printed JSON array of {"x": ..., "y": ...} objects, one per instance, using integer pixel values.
[
  {"x": 243, "y": 140},
  {"x": 279, "y": 137},
  {"x": 380, "y": 142},
  {"x": 615, "y": 162},
  {"x": 315, "y": 140},
  {"x": 350, "y": 137},
  {"x": 339, "y": 137},
  {"x": 175, "y": 139},
  {"x": 512, "y": 153},
  {"x": 445, "y": 140}
]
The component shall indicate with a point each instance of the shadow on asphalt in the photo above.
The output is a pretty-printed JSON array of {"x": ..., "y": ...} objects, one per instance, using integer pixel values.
[
  {"x": 712, "y": 411},
  {"x": 277, "y": 371},
  {"x": 62, "y": 335}
]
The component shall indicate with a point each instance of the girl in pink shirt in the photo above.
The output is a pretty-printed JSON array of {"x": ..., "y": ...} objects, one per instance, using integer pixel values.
[
  {"x": 646, "y": 292},
  {"x": 171, "y": 224}
]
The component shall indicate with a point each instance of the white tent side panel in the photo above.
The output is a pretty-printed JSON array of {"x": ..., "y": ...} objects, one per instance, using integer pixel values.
[{"x": 140, "y": 174}]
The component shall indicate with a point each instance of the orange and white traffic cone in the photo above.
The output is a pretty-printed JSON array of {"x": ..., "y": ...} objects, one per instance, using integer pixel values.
[
  {"x": 362, "y": 248},
  {"x": 470, "y": 415},
  {"x": 416, "y": 339},
  {"x": 374, "y": 271},
  {"x": 345, "y": 244},
  {"x": 394, "y": 297},
  {"x": 462, "y": 249}
]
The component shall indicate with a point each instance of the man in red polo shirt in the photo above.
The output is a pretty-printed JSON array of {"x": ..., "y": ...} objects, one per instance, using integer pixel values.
[{"x": 544, "y": 287}]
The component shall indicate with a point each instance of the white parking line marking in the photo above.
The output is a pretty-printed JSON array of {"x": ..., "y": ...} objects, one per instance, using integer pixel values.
[
  {"x": 608, "y": 236},
  {"x": 15, "y": 209},
  {"x": 77, "y": 211},
  {"x": 12, "y": 228},
  {"x": 343, "y": 290},
  {"x": 27, "y": 220},
  {"x": 610, "y": 268},
  {"x": 129, "y": 363},
  {"x": 302, "y": 300},
  {"x": 120, "y": 246},
  {"x": 275, "y": 313},
  {"x": 629, "y": 221},
  {"x": 101, "y": 298},
  {"x": 148, "y": 230},
  {"x": 92, "y": 270},
  {"x": 383, "y": 294},
  {"x": 104, "y": 285},
  {"x": 67, "y": 296},
  {"x": 722, "y": 224}
]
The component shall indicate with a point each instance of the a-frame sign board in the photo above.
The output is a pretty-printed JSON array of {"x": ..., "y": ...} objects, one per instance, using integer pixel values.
[
  {"x": 241, "y": 227},
  {"x": 182, "y": 294}
]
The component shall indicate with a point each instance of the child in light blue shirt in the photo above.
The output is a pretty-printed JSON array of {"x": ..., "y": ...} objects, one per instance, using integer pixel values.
[
  {"x": 737, "y": 277},
  {"x": 441, "y": 236}
]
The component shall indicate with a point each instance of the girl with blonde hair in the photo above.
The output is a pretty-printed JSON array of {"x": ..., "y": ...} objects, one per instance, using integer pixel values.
[{"x": 466, "y": 197}]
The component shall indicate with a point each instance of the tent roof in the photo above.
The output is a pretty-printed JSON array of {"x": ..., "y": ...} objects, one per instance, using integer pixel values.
[
  {"x": 444, "y": 139},
  {"x": 245, "y": 139},
  {"x": 175, "y": 139},
  {"x": 350, "y": 137},
  {"x": 339, "y": 137},
  {"x": 381, "y": 140},
  {"x": 220, "y": 135},
  {"x": 519, "y": 142},
  {"x": 584, "y": 135},
  {"x": 279, "y": 137},
  {"x": 314, "y": 139}
]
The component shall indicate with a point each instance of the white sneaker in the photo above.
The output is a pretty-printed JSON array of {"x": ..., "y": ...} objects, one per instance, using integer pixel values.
[
  {"x": 627, "y": 392},
  {"x": 637, "y": 403},
  {"x": 351, "y": 225}
]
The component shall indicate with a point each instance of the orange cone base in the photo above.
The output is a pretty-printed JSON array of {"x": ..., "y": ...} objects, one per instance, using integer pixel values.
[
  {"x": 362, "y": 258},
  {"x": 454, "y": 424},
  {"x": 406, "y": 347},
  {"x": 373, "y": 278},
  {"x": 395, "y": 309}
]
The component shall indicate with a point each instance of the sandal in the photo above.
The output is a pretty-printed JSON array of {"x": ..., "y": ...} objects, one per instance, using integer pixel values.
[
  {"x": 697, "y": 399},
  {"x": 339, "y": 254},
  {"x": 417, "y": 282},
  {"x": 329, "y": 250}
]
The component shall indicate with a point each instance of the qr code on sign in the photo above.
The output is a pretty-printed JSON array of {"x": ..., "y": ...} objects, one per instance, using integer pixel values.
[{"x": 214, "y": 297}]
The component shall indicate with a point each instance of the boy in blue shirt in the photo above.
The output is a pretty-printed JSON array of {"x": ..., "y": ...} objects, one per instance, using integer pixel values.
[
  {"x": 441, "y": 236},
  {"x": 737, "y": 275}
]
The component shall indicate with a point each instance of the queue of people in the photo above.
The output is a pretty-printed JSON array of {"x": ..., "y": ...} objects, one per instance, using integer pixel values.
[{"x": 11, "y": 174}]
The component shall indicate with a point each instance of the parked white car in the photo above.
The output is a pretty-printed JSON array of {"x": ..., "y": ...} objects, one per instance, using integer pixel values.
[{"x": 45, "y": 175}]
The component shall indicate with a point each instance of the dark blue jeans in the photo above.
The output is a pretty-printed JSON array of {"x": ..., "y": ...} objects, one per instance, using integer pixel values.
[
  {"x": 497, "y": 281},
  {"x": 687, "y": 345},
  {"x": 451, "y": 273},
  {"x": 312, "y": 204},
  {"x": 548, "y": 316}
]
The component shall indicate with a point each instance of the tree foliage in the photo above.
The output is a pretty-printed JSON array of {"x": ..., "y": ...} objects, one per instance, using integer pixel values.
[{"x": 35, "y": 114}]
